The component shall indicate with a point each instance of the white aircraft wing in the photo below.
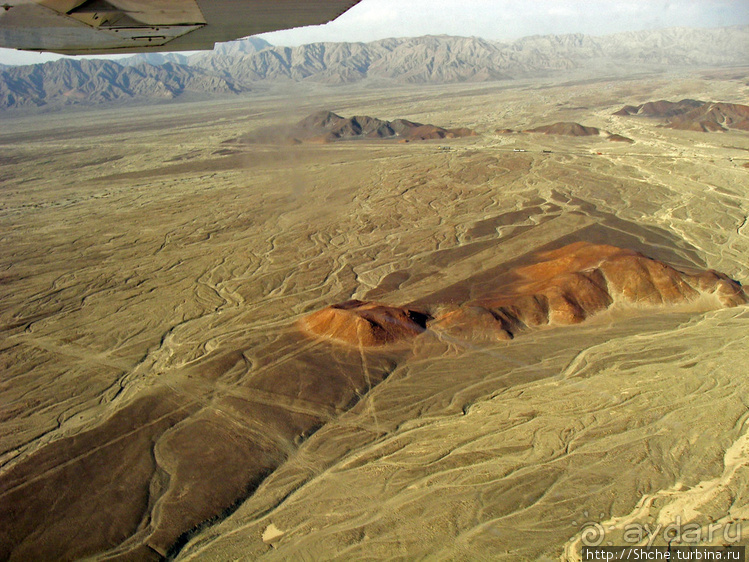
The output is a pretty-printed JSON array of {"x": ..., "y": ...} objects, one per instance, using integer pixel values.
[{"x": 75, "y": 27}]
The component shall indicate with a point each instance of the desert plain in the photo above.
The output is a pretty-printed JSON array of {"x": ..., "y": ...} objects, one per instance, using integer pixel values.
[{"x": 161, "y": 395}]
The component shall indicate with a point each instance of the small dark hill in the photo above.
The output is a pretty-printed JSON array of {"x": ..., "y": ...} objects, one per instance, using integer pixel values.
[
  {"x": 326, "y": 126},
  {"x": 660, "y": 108},
  {"x": 320, "y": 120},
  {"x": 359, "y": 126},
  {"x": 713, "y": 117},
  {"x": 693, "y": 115},
  {"x": 566, "y": 128},
  {"x": 570, "y": 129},
  {"x": 620, "y": 138}
]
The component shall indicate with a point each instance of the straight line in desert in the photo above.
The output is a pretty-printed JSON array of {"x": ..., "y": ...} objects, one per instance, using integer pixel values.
[{"x": 465, "y": 268}]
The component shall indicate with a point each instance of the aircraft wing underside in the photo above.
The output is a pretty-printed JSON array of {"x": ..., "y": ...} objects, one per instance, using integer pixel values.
[{"x": 114, "y": 26}]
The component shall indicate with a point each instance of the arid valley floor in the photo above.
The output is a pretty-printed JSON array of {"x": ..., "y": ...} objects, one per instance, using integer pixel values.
[{"x": 159, "y": 396}]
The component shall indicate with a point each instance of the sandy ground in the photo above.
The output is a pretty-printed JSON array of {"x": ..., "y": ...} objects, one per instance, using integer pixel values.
[{"x": 157, "y": 400}]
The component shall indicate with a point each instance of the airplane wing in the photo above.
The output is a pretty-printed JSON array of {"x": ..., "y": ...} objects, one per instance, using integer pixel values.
[{"x": 75, "y": 27}]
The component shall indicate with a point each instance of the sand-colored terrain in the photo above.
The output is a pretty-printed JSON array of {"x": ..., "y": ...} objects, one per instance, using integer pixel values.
[{"x": 163, "y": 392}]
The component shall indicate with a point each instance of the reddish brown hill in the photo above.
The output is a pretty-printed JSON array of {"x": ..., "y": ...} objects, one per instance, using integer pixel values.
[
  {"x": 620, "y": 138},
  {"x": 326, "y": 126},
  {"x": 713, "y": 117},
  {"x": 693, "y": 115},
  {"x": 320, "y": 120},
  {"x": 358, "y": 127},
  {"x": 329, "y": 126},
  {"x": 564, "y": 286},
  {"x": 577, "y": 281},
  {"x": 629, "y": 276},
  {"x": 365, "y": 324},
  {"x": 571, "y": 129},
  {"x": 660, "y": 108},
  {"x": 430, "y": 132},
  {"x": 566, "y": 128}
]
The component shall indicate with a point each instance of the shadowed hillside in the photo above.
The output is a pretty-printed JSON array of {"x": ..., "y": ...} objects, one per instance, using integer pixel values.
[
  {"x": 84, "y": 81},
  {"x": 713, "y": 117},
  {"x": 326, "y": 126},
  {"x": 566, "y": 286},
  {"x": 570, "y": 129},
  {"x": 693, "y": 115}
]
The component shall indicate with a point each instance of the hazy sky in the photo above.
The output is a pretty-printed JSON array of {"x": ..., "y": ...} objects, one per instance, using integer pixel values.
[
  {"x": 496, "y": 19},
  {"x": 512, "y": 19}
]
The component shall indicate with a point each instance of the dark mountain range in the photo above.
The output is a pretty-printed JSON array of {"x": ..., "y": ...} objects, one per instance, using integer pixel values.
[
  {"x": 442, "y": 59},
  {"x": 97, "y": 81},
  {"x": 241, "y": 65}
]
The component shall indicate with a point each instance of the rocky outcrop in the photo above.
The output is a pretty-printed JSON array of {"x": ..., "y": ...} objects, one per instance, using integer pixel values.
[
  {"x": 713, "y": 117},
  {"x": 660, "y": 108},
  {"x": 326, "y": 126},
  {"x": 565, "y": 286},
  {"x": 693, "y": 115},
  {"x": 571, "y": 284},
  {"x": 570, "y": 129},
  {"x": 566, "y": 128},
  {"x": 366, "y": 324}
]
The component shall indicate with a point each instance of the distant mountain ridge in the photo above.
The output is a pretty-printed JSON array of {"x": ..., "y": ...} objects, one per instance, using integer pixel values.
[
  {"x": 98, "y": 81},
  {"x": 443, "y": 59},
  {"x": 156, "y": 59},
  {"x": 239, "y": 66}
]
